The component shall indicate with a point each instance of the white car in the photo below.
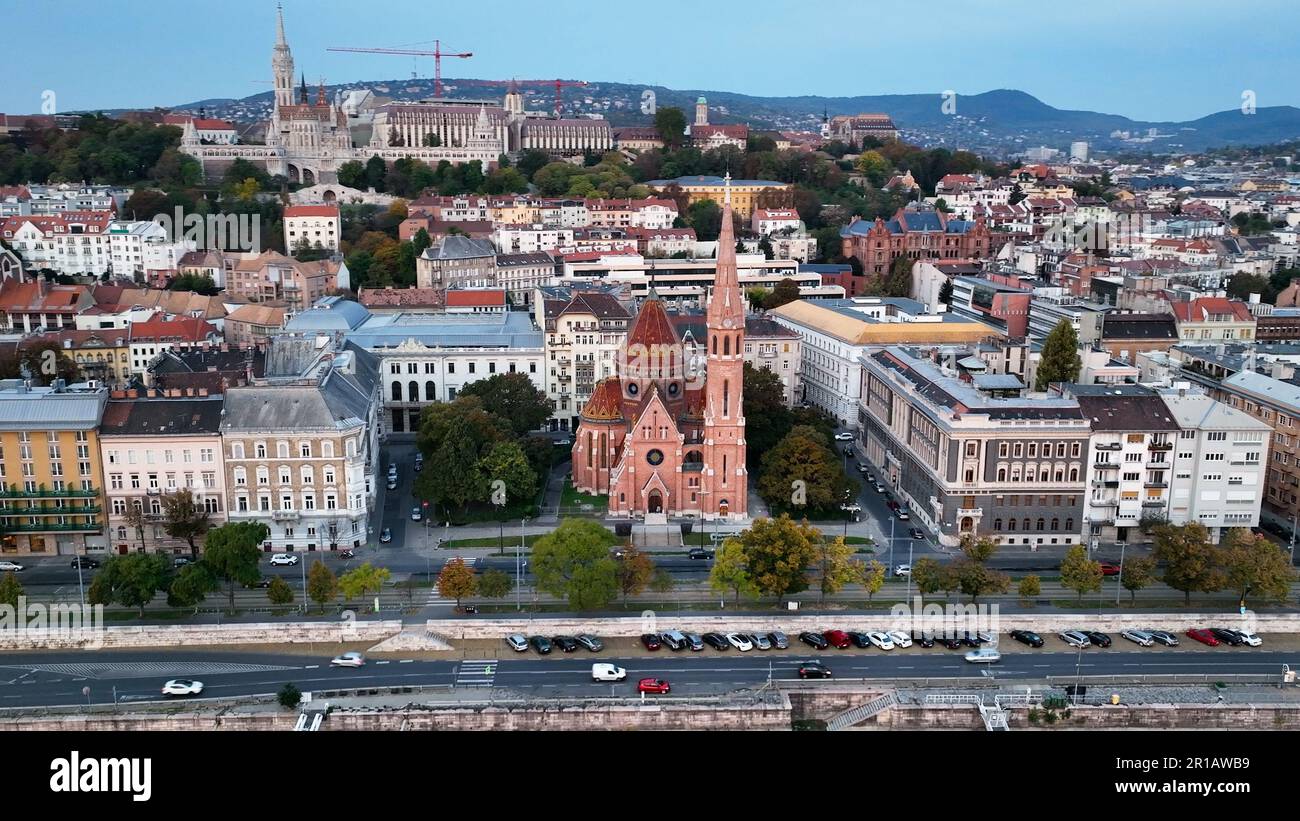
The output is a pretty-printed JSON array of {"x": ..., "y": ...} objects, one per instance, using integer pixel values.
[
  {"x": 984, "y": 655},
  {"x": 182, "y": 687},
  {"x": 903, "y": 570},
  {"x": 416, "y": 515},
  {"x": 1138, "y": 637},
  {"x": 348, "y": 660},
  {"x": 284, "y": 559},
  {"x": 607, "y": 672},
  {"x": 1249, "y": 638},
  {"x": 11, "y": 566},
  {"x": 899, "y": 638},
  {"x": 880, "y": 640},
  {"x": 518, "y": 643},
  {"x": 740, "y": 641},
  {"x": 1074, "y": 638},
  {"x": 843, "y": 437}
]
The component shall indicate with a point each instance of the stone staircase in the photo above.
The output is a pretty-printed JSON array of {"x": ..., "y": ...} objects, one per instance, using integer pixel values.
[{"x": 862, "y": 712}]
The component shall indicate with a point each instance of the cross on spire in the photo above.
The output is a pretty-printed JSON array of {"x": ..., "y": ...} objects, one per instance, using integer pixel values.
[{"x": 726, "y": 189}]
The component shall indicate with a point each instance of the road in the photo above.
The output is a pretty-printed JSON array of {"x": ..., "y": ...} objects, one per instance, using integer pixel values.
[{"x": 58, "y": 679}]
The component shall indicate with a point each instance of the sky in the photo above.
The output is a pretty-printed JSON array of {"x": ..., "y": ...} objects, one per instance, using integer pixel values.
[{"x": 1145, "y": 59}]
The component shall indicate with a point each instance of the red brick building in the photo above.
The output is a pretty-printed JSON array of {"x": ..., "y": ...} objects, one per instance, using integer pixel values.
[{"x": 916, "y": 232}]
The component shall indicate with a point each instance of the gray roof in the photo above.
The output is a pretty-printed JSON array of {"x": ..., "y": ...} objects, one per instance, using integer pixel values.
[
  {"x": 1195, "y": 410},
  {"x": 998, "y": 382},
  {"x": 330, "y": 313},
  {"x": 513, "y": 329},
  {"x": 40, "y": 408},
  {"x": 293, "y": 356},
  {"x": 1281, "y": 393},
  {"x": 458, "y": 247}
]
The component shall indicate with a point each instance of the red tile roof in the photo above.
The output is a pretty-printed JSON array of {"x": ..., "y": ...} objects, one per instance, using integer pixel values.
[
  {"x": 312, "y": 211},
  {"x": 652, "y": 326},
  {"x": 187, "y": 329},
  {"x": 490, "y": 297},
  {"x": 1200, "y": 310},
  {"x": 606, "y": 402}
]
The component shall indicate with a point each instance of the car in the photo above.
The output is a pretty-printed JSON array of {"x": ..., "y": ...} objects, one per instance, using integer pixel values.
[
  {"x": 859, "y": 640},
  {"x": 779, "y": 640},
  {"x": 1248, "y": 638},
  {"x": 902, "y": 514},
  {"x": 541, "y": 644},
  {"x": 986, "y": 637},
  {"x": 740, "y": 641},
  {"x": 419, "y": 464},
  {"x": 716, "y": 640},
  {"x": 564, "y": 442},
  {"x": 879, "y": 488},
  {"x": 759, "y": 641},
  {"x": 949, "y": 641},
  {"x": 880, "y": 640},
  {"x": 863, "y": 469},
  {"x": 844, "y": 437},
  {"x": 280, "y": 559},
  {"x": 1076, "y": 638},
  {"x": 673, "y": 640},
  {"x": 182, "y": 687},
  {"x": 902, "y": 571},
  {"x": 924, "y": 639},
  {"x": 392, "y": 484},
  {"x": 814, "y": 669},
  {"x": 517, "y": 643},
  {"x": 261, "y": 583},
  {"x": 699, "y": 553},
  {"x": 814, "y": 640},
  {"x": 652, "y": 685},
  {"x": 1027, "y": 637},
  {"x": 694, "y": 641},
  {"x": 855, "y": 511},
  {"x": 1203, "y": 636},
  {"x": 181, "y": 561},
  {"x": 589, "y": 641},
  {"x": 348, "y": 660},
  {"x": 607, "y": 672},
  {"x": 918, "y": 533},
  {"x": 1162, "y": 636},
  {"x": 837, "y": 639},
  {"x": 386, "y": 535},
  {"x": 416, "y": 515},
  {"x": 900, "y": 638},
  {"x": 347, "y": 554},
  {"x": 971, "y": 639},
  {"x": 651, "y": 641},
  {"x": 392, "y": 468},
  {"x": 1226, "y": 636},
  {"x": 1098, "y": 638},
  {"x": 892, "y": 505},
  {"x": 84, "y": 563},
  {"x": 567, "y": 644},
  {"x": 1137, "y": 637},
  {"x": 984, "y": 655},
  {"x": 1108, "y": 569}
]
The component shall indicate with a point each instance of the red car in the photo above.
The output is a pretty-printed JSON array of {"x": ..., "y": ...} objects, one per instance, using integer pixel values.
[
  {"x": 651, "y": 641},
  {"x": 652, "y": 685},
  {"x": 838, "y": 639},
  {"x": 893, "y": 505},
  {"x": 1203, "y": 636},
  {"x": 1108, "y": 569}
]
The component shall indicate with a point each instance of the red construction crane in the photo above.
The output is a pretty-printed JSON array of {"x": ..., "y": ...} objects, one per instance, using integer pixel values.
[
  {"x": 437, "y": 54},
  {"x": 559, "y": 88}
]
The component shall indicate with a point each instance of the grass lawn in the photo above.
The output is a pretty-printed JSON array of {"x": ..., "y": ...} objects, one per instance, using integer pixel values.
[
  {"x": 571, "y": 498},
  {"x": 493, "y": 541}
]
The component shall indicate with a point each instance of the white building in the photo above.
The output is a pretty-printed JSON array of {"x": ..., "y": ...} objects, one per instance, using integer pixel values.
[
  {"x": 313, "y": 226},
  {"x": 771, "y": 220},
  {"x": 140, "y": 250},
  {"x": 531, "y": 239},
  {"x": 688, "y": 280},
  {"x": 75, "y": 242}
]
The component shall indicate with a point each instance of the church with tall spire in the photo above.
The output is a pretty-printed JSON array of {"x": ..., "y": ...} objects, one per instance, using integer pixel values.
[{"x": 661, "y": 438}]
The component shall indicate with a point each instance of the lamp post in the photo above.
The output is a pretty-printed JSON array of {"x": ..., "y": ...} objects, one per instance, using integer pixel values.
[
  {"x": 303, "y": 565},
  {"x": 1292, "y": 549},
  {"x": 501, "y": 530},
  {"x": 519, "y": 566},
  {"x": 848, "y": 496},
  {"x": 80, "y": 587},
  {"x": 893, "y": 520},
  {"x": 1119, "y": 577}
]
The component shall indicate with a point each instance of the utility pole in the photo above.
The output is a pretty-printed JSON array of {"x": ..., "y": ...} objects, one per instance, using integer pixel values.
[
  {"x": 1119, "y": 578},
  {"x": 1292, "y": 549},
  {"x": 519, "y": 567}
]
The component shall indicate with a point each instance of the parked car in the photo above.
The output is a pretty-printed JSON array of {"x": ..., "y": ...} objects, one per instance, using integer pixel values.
[
  {"x": 844, "y": 437},
  {"x": 348, "y": 660},
  {"x": 652, "y": 685},
  {"x": 814, "y": 669},
  {"x": 971, "y": 639},
  {"x": 1027, "y": 637},
  {"x": 1203, "y": 636},
  {"x": 923, "y": 639},
  {"x": 986, "y": 637},
  {"x": 607, "y": 672},
  {"x": 1108, "y": 569},
  {"x": 814, "y": 640},
  {"x": 918, "y": 533},
  {"x": 694, "y": 641},
  {"x": 517, "y": 643},
  {"x": 84, "y": 563},
  {"x": 863, "y": 469},
  {"x": 281, "y": 559},
  {"x": 416, "y": 515},
  {"x": 902, "y": 513},
  {"x": 902, "y": 571},
  {"x": 1098, "y": 638},
  {"x": 180, "y": 561},
  {"x": 391, "y": 483},
  {"x": 563, "y": 442},
  {"x": 1138, "y": 637},
  {"x": 949, "y": 641},
  {"x": 541, "y": 644},
  {"x": 717, "y": 641},
  {"x": 1076, "y": 638},
  {"x": 589, "y": 641},
  {"x": 1248, "y": 638},
  {"x": 984, "y": 655},
  {"x": 879, "y": 487},
  {"x": 880, "y": 640},
  {"x": 386, "y": 535},
  {"x": 837, "y": 639},
  {"x": 1163, "y": 637},
  {"x": 673, "y": 640},
  {"x": 651, "y": 641},
  {"x": 567, "y": 644},
  {"x": 779, "y": 640},
  {"x": 759, "y": 641},
  {"x": 1226, "y": 636},
  {"x": 182, "y": 687},
  {"x": 899, "y": 638},
  {"x": 419, "y": 462},
  {"x": 892, "y": 505},
  {"x": 740, "y": 641},
  {"x": 860, "y": 640},
  {"x": 699, "y": 553}
]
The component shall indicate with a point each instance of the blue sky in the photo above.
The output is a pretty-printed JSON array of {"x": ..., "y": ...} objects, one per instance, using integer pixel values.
[{"x": 1146, "y": 59}]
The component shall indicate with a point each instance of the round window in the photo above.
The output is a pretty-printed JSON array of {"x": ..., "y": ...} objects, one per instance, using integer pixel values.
[
  {"x": 655, "y": 457},
  {"x": 632, "y": 388},
  {"x": 673, "y": 388}
]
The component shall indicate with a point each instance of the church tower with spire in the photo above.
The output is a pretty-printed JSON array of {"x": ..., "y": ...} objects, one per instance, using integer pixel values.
[
  {"x": 282, "y": 64},
  {"x": 724, "y": 417}
]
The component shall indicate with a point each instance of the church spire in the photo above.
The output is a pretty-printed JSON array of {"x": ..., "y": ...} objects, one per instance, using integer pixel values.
[
  {"x": 725, "y": 303},
  {"x": 282, "y": 63},
  {"x": 279, "y": 26}
]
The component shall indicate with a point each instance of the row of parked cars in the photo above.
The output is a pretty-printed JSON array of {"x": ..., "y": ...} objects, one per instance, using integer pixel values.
[
  {"x": 1144, "y": 637},
  {"x": 567, "y": 644}
]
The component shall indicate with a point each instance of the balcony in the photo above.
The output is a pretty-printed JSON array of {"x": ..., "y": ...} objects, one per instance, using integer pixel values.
[
  {"x": 285, "y": 515},
  {"x": 970, "y": 511},
  {"x": 1153, "y": 503},
  {"x": 14, "y": 493},
  {"x": 767, "y": 354},
  {"x": 1160, "y": 446},
  {"x": 1104, "y": 502},
  {"x": 1156, "y": 484},
  {"x": 1108, "y": 483},
  {"x": 1111, "y": 446},
  {"x": 1106, "y": 466},
  {"x": 51, "y": 528},
  {"x": 50, "y": 511}
]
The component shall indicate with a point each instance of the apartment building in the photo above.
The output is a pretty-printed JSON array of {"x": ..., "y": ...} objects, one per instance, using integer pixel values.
[
  {"x": 583, "y": 335},
  {"x": 521, "y": 274},
  {"x": 458, "y": 262},
  {"x": 1214, "y": 319},
  {"x": 75, "y": 242},
  {"x": 141, "y": 251},
  {"x": 777, "y": 348},
  {"x": 100, "y": 355},
  {"x": 312, "y": 226},
  {"x": 274, "y": 277},
  {"x": 51, "y": 496}
]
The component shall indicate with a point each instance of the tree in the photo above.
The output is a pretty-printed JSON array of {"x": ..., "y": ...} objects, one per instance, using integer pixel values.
[
  {"x": 1243, "y": 284},
  {"x": 634, "y": 571},
  {"x": 191, "y": 585},
  {"x": 873, "y": 166},
  {"x": 10, "y": 589},
  {"x": 456, "y": 580},
  {"x": 1191, "y": 561},
  {"x": 670, "y": 122},
  {"x": 513, "y": 397},
  {"x": 1137, "y": 574},
  {"x": 196, "y": 283},
  {"x": 928, "y": 576},
  {"x": 279, "y": 592},
  {"x": 376, "y": 173},
  {"x": 573, "y": 563},
  {"x": 755, "y": 296},
  {"x": 766, "y": 249},
  {"x": 1030, "y": 587},
  {"x": 1060, "y": 359},
  {"x": 289, "y": 696},
  {"x": 971, "y": 575},
  {"x": 184, "y": 519},
  {"x": 662, "y": 582},
  {"x": 232, "y": 551},
  {"x": 362, "y": 582},
  {"x": 802, "y": 471},
  {"x": 322, "y": 586},
  {"x": 353, "y": 175},
  {"x": 1079, "y": 573},
  {"x": 730, "y": 573},
  {"x": 767, "y": 418},
  {"x": 706, "y": 218},
  {"x": 836, "y": 566},
  {"x": 786, "y": 291},
  {"x": 1255, "y": 566},
  {"x": 873, "y": 578},
  {"x": 43, "y": 362},
  {"x": 898, "y": 283},
  {"x": 778, "y": 553},
  {"x": 131, "y": 580},
  {"x": 507, "y": 463},
  {"x": 945, "y": 292},
  {"x": 495, "y": 584}
]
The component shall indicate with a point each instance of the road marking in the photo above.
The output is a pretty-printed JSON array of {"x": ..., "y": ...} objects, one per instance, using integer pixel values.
[
  {"x": 406, "y": 661},
  {"x": 312, "y": 667},
  {"x": 477, "y": 673},
  {"x": 381, "y": 662}
]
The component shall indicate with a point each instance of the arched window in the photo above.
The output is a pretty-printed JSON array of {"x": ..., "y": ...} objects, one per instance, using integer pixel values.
[
  {"x": 1069, "y": 523},
  {"x": 1011, "y": 524},
  {"x": 1041, "y": 522},
  {"x": 1002, "y": 474},
  {"x": 715, "y": 346},
  {"x": 237, "y": 450},
  {"x": 589, "y": 449},
  {"x": 413, "y": 388},
  {"x": 1060, "y": 475},
  {"x": 327, "y": 449},
  {"x": 430, "y": 393},
  {"x": 726, "y": 397},
  {"x": 1056, "y": 524},
  {"x": 1074, "y": 474},
  {"x": 726, "y": 346},
  {"x": 997, "y": 524},
  {"x": 397, "y": 391},
  {"x": 1026, "y": 523}
]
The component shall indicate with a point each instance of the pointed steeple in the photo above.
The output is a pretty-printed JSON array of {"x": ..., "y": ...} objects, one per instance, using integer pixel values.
[
  {"x": 302, "y": 91},
  {"x": 320, "y": 92},
  {"x": 282, "y": 63},
  {"x": 725, "y": 303}
]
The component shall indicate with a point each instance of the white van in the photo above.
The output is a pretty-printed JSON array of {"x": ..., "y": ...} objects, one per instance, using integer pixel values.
[{"x": 607, "y": 672}]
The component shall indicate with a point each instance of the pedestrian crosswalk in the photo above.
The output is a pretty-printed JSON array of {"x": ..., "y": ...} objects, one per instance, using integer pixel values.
[{"x": 476, "y": 673}]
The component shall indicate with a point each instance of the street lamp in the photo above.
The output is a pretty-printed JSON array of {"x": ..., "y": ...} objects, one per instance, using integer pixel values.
[
  {"x": 519, "y": 567},
  {"x": 1119, "y": 577},
  {"x": 501, "y": 530},
  {"x": 1292, "y": 550},
  {"x": 848, "y": 496}
]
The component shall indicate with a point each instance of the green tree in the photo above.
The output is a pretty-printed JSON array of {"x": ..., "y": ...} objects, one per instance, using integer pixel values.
[
  {"x": 184, "y": 519},
  {"x": 928, "y": 576},
  {"x": 279, "y": 593},
  {"x": 1030, "y": 588},
  {"x": 634, "y": 570},
  {"x": 507, "y": 462},
  {"x": 670, "y": 122},
  {"x": 874, "y": 166},
  {"x": 873, "y": 578},
  {"x": 972, "y": 575},
  {"x": 572, "y": 562},
  {"x": 10, "y": 589},
  {"x": 513, "y": 397},
  {"x": 322, "y": 585},
  {"x": 706, "y": 218},
  {"x": 376, "y": 173},
  {"x": 231, "y": 553},
  {"x": 778, "y": 553},
  {"x": 1254, "y": 566},
  {"x": 730, "y": 573},
  {"x": 131, "y": 580},
  {"x": 362, "y": 582},
  {"x": 837, "y": 567},
  {"x": 195, "y": 283},
  {"x": 1138, "y": 573},
  {"x": 289, "y": 696},
  {"x": 1079, "y": 573},
  {"x": 802, "y": 471},
  {"x": 786, "y": 291},
  {"x": 1192, "y": 563},
  {"x": 456, "y": 580},
  {"x": 945, "y": 292},
  {"x": 662, "y": 582},
  {"x": 43, "y": 362},
  {"x": 191, "y": 585},
  {"x": 755, "y": 296},
  {"x": 495, "y": 584},
  {"x": 767, "y": 417},
  {"x": 898, "y": 283},
  {"x": 1243, "y": 284},
  {"x": 1060, "y": 360},
  {"x": 353, "y": 175}
]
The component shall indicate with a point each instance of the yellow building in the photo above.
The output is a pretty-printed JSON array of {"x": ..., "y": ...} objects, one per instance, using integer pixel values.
[
  {"x": 518, "y": 211},
  {"x": 746, "y": 195},
  {"x": 51, "y": 501},
  {"x": 103, "y": 354}
]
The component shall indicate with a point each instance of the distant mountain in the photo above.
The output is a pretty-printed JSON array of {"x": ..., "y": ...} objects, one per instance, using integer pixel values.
[{"x": 997, "y": 122}]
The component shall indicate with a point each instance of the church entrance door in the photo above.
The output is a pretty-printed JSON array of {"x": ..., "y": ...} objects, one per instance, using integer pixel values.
[{"x": 655, "y": 504}]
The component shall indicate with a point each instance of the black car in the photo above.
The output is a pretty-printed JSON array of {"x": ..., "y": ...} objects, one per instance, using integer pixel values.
[
  {"x": 1097, "y": 638},
  {"x": 1027, "y": 637},
  {"x": 651, "y": 641},
  {"x": 1229, "y": 637},
  {"x": 716, "y": 640},
  {"x": 950, "y": 642},
  {"x": 699, "y": 553},
  {"x": 566, "y": 643},
  {"x": 779, "y": 640},
  {"x": 814, "y": 669},
  {"x": 814, "y": 640},
  {"x": 923, "y": 639},
  {"x": 84, "y": 563},
  {"x": 673, "y": 642},
  {"x": 263, "y": 582},
  {"x": 590, "y": 642},
  {"x": 971, "y": 639},
  {"x": 541, "y": 644},
  {"x": 860, "y": 640},
  {"x": 918, "y": 533}
]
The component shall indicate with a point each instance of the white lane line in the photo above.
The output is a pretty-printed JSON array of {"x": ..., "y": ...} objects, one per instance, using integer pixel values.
[
  {"x": 381, "y": 662},
  {"x": 312, "y": 667},
  {"x": 405, "y": 661}
]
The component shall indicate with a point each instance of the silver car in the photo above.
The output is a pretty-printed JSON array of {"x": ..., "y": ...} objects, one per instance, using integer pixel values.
[
  {"x": 1138, "y": 637},
  {"x": 517, "y": 643},
  {"x": 1164, "y": 637},
  {"x": 760, "y": 641},
  {"x": 1075, "y": 638}
]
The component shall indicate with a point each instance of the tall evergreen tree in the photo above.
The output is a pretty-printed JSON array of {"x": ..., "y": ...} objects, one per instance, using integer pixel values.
[{"x": 1060, "y": 361}]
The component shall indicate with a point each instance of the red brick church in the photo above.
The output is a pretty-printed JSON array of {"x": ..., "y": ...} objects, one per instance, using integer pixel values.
[{"x": 660, "y": 439}]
